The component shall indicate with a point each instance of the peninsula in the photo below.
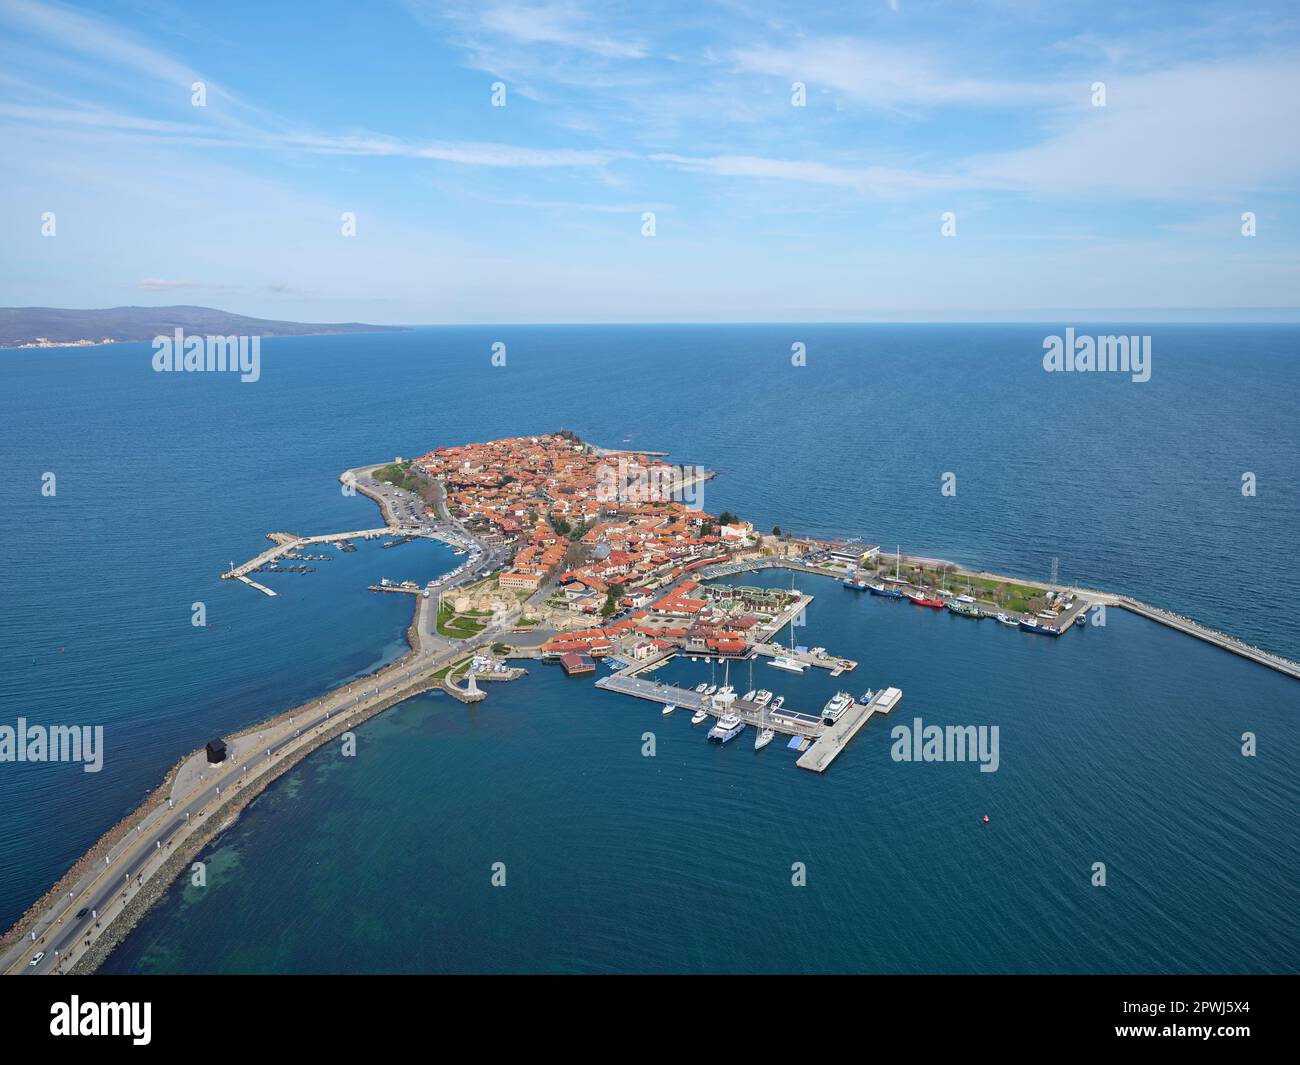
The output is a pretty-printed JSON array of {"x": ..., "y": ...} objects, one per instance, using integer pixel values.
[
  {"x": 572, "y": 554},
  {"x": 53, "y": 327}
]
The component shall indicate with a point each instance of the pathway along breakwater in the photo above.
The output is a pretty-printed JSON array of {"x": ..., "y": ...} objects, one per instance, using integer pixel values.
[{"x": 130, "y": 866}]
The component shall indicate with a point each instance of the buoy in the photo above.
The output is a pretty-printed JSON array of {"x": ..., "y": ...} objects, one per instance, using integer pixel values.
[{"x": 986, "y": 819}]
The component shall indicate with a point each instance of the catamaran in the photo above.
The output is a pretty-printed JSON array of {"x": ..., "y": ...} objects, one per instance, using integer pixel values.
[
  {"x": 788, "y": 662},
  {"x": 729, "y": 726}
]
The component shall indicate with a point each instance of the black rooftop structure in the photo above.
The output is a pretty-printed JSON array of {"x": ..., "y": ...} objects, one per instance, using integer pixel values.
[{"x": 216, "y": 751}]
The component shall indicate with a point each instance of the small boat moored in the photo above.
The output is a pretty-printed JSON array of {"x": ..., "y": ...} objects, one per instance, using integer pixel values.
[
  {"x": 763, "y": 738},
  {"x": 669, "y": 709},
  {"x": 699, "y": 717}
]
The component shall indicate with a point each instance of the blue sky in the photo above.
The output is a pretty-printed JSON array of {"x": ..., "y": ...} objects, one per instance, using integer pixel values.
[{"x": 764, "y": 211}]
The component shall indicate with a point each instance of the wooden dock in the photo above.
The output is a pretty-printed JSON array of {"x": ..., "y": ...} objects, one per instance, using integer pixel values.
[{"x": 836, "y": 737}]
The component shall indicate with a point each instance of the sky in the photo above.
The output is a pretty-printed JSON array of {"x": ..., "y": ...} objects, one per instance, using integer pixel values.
[{"x": 652, "y": 162}]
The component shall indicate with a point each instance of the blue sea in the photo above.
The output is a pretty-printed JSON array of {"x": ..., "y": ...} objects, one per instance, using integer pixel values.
[{"x": 1119, "y": 745}]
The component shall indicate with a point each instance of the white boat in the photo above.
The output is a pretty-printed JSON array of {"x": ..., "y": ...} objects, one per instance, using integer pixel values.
[
  {"x": 711, "y": 689},
  {"x": 836, "y": 705},
  {"x": 669, "y": 709},
  {"x": 763, "y": 738},
  {"x": 749, "y": 695},
  {"x": 699, "y": 716},
  {"x": 729, "y": 726},
  {"x": 965, "y": 599},
  {"x": 700, "y": 688},
  {"x": 762, "y": 697},
  {"x": 778, "y": 702},
  {"x": 1007, "y": 619},
  {"x": 788, "y": 663}
]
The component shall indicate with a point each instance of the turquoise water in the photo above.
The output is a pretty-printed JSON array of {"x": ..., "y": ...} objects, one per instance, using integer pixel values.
[{"x": 1118, "y": 745}]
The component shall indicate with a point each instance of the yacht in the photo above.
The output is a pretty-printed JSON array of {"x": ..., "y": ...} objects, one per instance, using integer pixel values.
[
  {"x": 836, "y": 705},
  {"x": 778, "y": 702},
  {"x": 710, "y": 689},
  {"x": 749, "y": 695},
  {"x": 729, "y": 726},
  {"x": 789, "y": 663},
  {"x": 701, "y": 688},
  {"x": 698, "y": 717},
  {"x": 669, "y": 709},
  {"x": 763, "y": 738},
  {"x": 762, "y": 697}
]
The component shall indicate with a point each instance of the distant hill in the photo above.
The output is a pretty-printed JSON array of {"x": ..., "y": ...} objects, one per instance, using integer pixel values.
[{"x": 27, "y": 326}]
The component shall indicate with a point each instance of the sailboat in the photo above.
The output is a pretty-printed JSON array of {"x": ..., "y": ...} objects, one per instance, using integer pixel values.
[
  {"x": 788, "y": 662},
  {"x": 880, "y": 588}
]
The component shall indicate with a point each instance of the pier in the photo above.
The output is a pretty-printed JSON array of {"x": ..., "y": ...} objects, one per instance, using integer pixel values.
[
  {"x": 834, "y": 738},
  {"x": 789, "y": 722}
]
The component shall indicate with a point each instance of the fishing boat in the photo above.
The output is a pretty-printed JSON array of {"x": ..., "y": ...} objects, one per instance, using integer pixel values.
[
  {"x": 886, "y": 591},
  {"x": 729, "y": 726},
  {"x": 1042, "y": 630},
  {"x": 856, "y": 582},
  {"x": 763, "y": 738},
  {"x": 921, "y": 599},
  {"x": 836, "y": 705},
  {"x": 699, "y": 717},
  {"x": 966, "y": 610},
  {"x": 1007, "y": 619},
  {"x": 669, "y": 709}
]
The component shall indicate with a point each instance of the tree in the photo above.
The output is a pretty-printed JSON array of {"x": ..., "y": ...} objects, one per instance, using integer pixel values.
[
  {"x": 727, "y": 518},
  {"x": 776, "y": 530},
  {"x": 611, "y": 600}
]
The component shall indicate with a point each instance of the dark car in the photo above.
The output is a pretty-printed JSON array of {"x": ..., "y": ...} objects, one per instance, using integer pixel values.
[{"x": 82, "y": 912}]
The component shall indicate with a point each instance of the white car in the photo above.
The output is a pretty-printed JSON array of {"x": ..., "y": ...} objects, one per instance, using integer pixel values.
[{"x": 37, "y": 958}]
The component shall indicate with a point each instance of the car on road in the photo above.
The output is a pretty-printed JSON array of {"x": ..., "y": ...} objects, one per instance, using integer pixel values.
[
  {"x": 82, "y": 912},
  {"x": 37, "y": 957}
]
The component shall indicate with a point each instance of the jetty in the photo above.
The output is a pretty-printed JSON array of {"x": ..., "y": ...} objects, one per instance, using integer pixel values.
[{"x": 835, "y": 737}]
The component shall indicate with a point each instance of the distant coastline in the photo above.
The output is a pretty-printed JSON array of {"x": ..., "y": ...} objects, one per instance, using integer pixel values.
[{"x": 57, "y": 327}]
